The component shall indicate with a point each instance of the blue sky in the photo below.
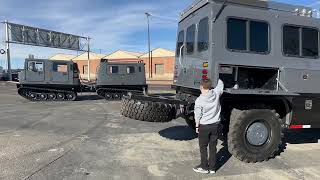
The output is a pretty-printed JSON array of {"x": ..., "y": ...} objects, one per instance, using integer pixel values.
[{"x": 112, "y": 24}]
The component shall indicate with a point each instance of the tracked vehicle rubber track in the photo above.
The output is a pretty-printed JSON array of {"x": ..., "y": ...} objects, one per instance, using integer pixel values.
[
  {"x": 112, "y": 94},
  {"x": 45, "y": 94}
]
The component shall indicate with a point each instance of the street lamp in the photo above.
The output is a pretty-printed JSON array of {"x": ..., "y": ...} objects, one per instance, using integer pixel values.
[{"x": 149, "y": 48}]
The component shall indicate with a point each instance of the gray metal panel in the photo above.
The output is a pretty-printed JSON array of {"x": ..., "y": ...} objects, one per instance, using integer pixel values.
[
  {"x": 301, "y": 80},
  {"x": 275, "y": 59}
]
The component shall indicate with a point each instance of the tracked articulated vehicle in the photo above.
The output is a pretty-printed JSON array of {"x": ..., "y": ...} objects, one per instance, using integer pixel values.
[
  {"x": 55, "y": 80},
  {"x": 48, "y": 80},
  {"x": 116, "y": 79},
  {"x": 266, "y": 53}
]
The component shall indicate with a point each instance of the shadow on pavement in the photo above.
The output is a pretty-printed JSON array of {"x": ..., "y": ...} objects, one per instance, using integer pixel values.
[
  {"x": 178, "y": 133},
  {"x": 88, "y": 98},
  {"x": 301, "y": 136},
  {"x": 223, "y": 155}
]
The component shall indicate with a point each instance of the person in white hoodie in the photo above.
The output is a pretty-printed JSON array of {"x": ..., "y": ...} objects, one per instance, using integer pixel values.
[{"x": 207, "y": 116}]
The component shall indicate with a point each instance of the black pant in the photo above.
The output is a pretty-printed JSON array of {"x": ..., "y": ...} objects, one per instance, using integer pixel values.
[{"x": 208, "y": 135}]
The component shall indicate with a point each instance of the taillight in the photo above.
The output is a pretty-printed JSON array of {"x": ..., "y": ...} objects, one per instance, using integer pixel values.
[
  {"x": 176, "y": 71},
  {"x": 205, "y": 71}
]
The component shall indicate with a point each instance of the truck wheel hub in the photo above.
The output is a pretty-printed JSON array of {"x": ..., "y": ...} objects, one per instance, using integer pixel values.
[{"x": 257, "y": 134}]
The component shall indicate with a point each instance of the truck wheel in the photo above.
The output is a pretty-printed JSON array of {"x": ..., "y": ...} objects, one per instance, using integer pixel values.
[
  {"x": 147, "y": 111},
  {"x": 255, "y": 135}
]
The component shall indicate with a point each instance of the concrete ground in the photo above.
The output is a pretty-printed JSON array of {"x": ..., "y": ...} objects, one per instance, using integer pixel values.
[{"x": 89, "y": 139}]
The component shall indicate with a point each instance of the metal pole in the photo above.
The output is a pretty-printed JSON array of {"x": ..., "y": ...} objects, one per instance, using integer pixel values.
[
  {"x": 88, "y": 41},
  {"x": 149, "y": 44},
  {"x": 8, "y": 51}
]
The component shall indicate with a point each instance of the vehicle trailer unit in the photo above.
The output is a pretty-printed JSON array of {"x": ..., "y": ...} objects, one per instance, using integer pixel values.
[
  {"x": 49, "y": 80},
  {"x": 117, "y": 79},
  {"x": 267, "y": 55}
]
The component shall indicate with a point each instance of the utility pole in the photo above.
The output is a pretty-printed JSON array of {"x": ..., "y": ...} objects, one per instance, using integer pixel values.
[
  {"x": 88, "y": 41},
  {"x": 8, "y": 51},
  {"x": 149, "y": 44}
]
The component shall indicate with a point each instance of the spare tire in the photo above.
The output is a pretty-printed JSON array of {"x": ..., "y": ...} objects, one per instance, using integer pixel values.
[{"x": 147, "y": 111}]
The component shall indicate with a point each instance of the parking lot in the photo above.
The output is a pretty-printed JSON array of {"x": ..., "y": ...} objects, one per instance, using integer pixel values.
[{"x": 89, "y": 139}]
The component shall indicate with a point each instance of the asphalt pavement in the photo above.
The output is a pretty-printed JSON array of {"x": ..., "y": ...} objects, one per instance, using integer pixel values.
[{"x": 89, "y": 139}]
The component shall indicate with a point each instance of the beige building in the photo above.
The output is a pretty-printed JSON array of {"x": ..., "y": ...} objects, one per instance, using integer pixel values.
[{"x": 162, "y": 61}]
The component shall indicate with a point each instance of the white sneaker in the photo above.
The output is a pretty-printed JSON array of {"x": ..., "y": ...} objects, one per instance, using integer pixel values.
[
  {"x": 198, "y": 169},
  {"x": 212, "y": 172}
]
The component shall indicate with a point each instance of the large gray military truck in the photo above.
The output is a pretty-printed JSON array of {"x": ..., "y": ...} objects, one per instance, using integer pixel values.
[
  {"x": 266, "y": 53},
  {"x": 116, "y": 79},
  {"x": 49, "y": 80}
]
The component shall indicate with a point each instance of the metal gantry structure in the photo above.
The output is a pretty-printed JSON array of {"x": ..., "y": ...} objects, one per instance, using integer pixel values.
[{"x": 33, "y": 36}]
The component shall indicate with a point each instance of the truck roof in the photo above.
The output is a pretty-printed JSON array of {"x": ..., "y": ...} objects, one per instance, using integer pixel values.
[{"x": 265, "y": 4}]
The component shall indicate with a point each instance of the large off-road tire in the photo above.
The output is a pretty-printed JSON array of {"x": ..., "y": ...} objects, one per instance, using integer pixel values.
[
  {"x": 147, "y": 111},
  {"x": 255, "y": 134},
  {"x": 190, "y": 121}
]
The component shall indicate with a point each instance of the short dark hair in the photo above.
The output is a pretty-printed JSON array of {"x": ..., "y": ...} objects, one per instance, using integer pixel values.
[{"x": 206, "y": 84}]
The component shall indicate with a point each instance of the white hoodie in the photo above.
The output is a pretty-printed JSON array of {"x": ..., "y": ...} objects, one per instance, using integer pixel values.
[{"x": 207, "y": 107}]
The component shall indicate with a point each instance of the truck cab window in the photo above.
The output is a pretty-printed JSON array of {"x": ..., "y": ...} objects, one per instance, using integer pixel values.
[
  {"x": 191, "y": 32},
  {"x": 291, "y": 42},
  {"x": 259, "y": 37},
  {"x": 237, "y": 34},
  {"x": 203, "y": 35},
  {"x": 240, "y": 31},
  {"x": 180, "y": 42},
  {"x": 300, "y": 41},
  {"x": 310, "y": 42}
]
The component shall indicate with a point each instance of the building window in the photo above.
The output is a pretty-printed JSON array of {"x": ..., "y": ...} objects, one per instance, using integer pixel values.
[
  {"x": 60, "y": 67},
  {"x": 300, "y": 41},
  {"x": 191, "y": 31},
  {"x": 130, "y": 70},
  {"x": 85, "y": 69},
  {"x": 203, "y": 35},
  {"x": 35, "y": 66},
  {"x": 159, "y": 69},
  {"x": 248, "y": 35},
  {"x": 113, "y": 69},
  {"x": 180, "y": 43}
]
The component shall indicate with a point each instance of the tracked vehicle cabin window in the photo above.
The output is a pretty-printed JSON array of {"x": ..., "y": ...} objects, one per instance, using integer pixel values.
[
  {"x": 130, "y": 70},
  {"x": 180, "y": 43},
  {"x": 113, "y": 69},
  {"x": 248, "y": 35},
  {"x": 191, "y": 32},
  {"x": 300, "y": 41},
  {"x": 35, "y": 66},
  {"x": 60, "y": 67},
  {"x": 203, "y": 35}
]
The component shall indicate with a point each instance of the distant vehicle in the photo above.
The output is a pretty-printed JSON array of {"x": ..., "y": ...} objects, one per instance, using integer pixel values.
[
  {"x": 116, "y": 79},
  {"x": 48, "y": 80},
  {"x": 266, "y": 53}
]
